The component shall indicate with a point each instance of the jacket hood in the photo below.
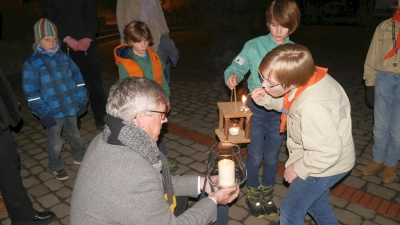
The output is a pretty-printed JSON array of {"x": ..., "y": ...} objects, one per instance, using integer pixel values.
[{"x": 121, "y": 53}]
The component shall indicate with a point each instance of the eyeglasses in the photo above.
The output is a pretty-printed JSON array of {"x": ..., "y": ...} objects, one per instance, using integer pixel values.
[
  {"x": 262, "y": 79},
  {"x": 163, "y": 115}
]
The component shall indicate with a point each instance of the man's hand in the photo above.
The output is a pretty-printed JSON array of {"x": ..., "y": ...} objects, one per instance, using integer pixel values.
[
  {"x": 258, "y": 94},
  {"x": 290, "y": 174},
  {"x": 72, "y": 43},
  {"x": 231, "y": 82},
  {"x": 225, "y": 195},
  {"x": 84, "y": 44},
  {"x": 214, "y": 179}
]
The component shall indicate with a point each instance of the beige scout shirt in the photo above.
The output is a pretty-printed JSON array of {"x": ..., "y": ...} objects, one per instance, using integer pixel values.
[
  {"x": 381, "y": 44},
  {"x": 319, "y": 135}
]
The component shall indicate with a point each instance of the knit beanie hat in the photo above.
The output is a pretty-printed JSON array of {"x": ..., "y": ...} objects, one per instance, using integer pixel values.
[{"x": 43, "y": 28}]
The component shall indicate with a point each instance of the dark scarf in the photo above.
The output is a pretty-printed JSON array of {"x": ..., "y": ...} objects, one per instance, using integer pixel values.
[{"x": 123, "y": 133}]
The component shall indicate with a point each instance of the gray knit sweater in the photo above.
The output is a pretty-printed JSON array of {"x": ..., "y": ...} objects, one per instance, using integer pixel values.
[{"x": 118, "y": 186}]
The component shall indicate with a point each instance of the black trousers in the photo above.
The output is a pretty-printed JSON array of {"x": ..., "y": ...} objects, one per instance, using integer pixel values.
[
  {"x": 18, "y": 204},
  {"x": 89, "y": 66}
]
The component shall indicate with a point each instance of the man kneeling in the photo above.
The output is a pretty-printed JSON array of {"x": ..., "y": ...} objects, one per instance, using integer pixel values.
[{"x": 124, "y": 179}]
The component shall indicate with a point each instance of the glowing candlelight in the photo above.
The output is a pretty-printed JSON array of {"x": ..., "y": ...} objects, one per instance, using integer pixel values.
[
  {"x": 244, "y": 99},
  {"x": 226, "y": 173},
  {"x": 234, "y": 130}
]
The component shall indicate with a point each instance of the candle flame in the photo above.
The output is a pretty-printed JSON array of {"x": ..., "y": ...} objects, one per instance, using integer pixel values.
[{"x": 244, "y": 99}]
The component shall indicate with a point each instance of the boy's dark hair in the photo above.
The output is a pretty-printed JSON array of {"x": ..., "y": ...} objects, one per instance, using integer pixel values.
[
  {"x": 136, "y": 31},
  {"x": 285, "y": 13},
  {"x": 290, "y": 64}
]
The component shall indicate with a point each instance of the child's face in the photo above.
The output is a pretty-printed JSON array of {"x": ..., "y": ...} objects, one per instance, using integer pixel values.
[
  {"x": 278, "y": 32},
  {"x": 271, "y": 86},
  {"x": 139, "y": 48},
  {"x": 48, "y": 43}
]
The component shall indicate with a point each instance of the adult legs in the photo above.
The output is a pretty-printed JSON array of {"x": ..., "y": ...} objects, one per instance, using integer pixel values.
[
  {"x": 89, "y": 66},
  {"x": 74, "y": 138},
  {"x": 382, "y": 112},
  {"x": 18, "y": 204},
  {"x": 393, "y": 147}
]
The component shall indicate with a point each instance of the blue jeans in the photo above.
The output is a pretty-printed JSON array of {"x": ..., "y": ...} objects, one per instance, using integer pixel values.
[
  {"x": 265, "y": 143},
  {"x": 55, "y": 143},
  {"x": 312, "y": 196},
  {"x": 386, "y": 148}
]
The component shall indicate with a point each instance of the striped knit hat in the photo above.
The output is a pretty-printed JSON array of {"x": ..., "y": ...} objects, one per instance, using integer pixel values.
[{"x": 43, "y": 28}]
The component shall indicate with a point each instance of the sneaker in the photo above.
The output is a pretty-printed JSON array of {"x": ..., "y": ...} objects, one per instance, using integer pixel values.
[
  {"x": 253, "y": 201},
  {"x": 173, "y": 168},
  {"x": 266, "y": 200},
  {"x": 61, "y": 174},
  {"x": 389, "y": 174},
  {"x": 40, "y": 218},
  {"x": 77, "y": 162},
  {"x": 371, "y": 168}
]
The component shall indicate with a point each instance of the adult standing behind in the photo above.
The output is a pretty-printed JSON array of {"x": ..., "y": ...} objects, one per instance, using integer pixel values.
[
  {"x": 124, "y": 170},
  {"x": 382, "y": 78},
  {"x": 147, "y": 11},
  {"x": 316, "y": 113},
  {"x": 76, "y": 21},
  {"x": 151, "y": 13},
  {"x": 283, "y": 18},
  {"x": 18, "y": 204}
]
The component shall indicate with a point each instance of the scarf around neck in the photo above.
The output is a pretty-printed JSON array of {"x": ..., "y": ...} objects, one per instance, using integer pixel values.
[
  {"x": 392, "y": 52},
  {"x": 123, "y": 133},
  {"x": 41, "y": 50},
  {"x": 317, "y": 76}
]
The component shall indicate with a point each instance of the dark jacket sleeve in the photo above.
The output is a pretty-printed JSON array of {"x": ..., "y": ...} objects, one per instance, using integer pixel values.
[
  {"x": 75, "y": 18},
  {"x": 9, "y": 110}
]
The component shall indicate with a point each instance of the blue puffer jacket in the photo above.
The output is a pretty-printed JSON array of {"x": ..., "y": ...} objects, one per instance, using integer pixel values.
[{"x": 53, "y": 85}]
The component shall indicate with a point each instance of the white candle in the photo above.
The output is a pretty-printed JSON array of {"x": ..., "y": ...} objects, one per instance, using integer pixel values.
[
  {"x": 234, "y": 131},
  {"x": 226, "y": 173}
]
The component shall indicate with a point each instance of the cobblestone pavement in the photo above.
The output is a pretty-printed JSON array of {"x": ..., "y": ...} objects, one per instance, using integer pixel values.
[{"x": 358, "y": 199}]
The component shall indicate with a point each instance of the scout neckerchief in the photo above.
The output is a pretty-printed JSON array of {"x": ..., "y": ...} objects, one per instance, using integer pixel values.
[
  {"x": 317, "y": 76},
  {"x": 396, "y": 42}
]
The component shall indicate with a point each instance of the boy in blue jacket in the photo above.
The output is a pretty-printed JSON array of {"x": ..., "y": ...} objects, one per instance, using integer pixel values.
[{"x": 56, "y": 94}]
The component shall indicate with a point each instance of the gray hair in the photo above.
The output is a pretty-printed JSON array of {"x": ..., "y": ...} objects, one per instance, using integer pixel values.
[{"x": 131, "y": 95}]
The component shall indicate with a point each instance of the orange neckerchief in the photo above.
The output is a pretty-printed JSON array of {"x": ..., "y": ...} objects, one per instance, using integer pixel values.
[
  {"x": 317, "y": 76},
  {"x": 391, "y": 53}
]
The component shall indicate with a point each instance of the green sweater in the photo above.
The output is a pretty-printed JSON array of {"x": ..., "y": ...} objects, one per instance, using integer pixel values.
[
  {"x": 145, "y": 64},
  {"x": 250, "y": 58}
]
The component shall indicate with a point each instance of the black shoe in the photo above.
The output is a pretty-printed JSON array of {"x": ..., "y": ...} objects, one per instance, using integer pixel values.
[
  {"x": 269, "y": 207},
  {"x": 266, "y": 200},
  {"x": 254, "y": 203},
  {"x": 61, "y": 174},
  {"x": 40, "y": 218}
]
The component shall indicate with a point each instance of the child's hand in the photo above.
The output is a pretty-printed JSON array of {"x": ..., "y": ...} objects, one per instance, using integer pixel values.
[
  {"x": 84, "y": 44},
  {"x": 231, "y": 82},
  {"x": 258, "y": 94},
  {"x": 289, "y": 174},
  {"x": 72, "y": 43}
]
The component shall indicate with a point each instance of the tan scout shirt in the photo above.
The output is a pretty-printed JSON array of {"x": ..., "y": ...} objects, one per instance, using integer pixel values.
[
  {"x": 381, "y": 44},
  {"x": 319, "y": 135}
]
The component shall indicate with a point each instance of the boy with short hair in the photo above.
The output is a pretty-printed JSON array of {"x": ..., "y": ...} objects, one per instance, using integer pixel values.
[
  {"x": 316, "y": 115},
  {"x": 283, "y": 18},
  {"x": 55, "y": 91},
  {"x": 137, "y": 58}
]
